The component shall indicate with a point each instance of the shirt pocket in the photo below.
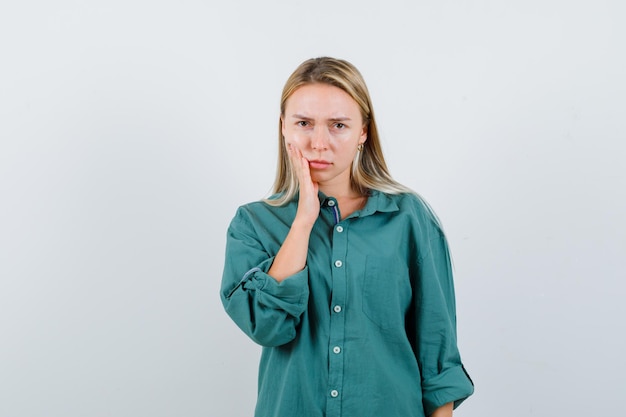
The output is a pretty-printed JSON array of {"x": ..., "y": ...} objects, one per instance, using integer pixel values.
[{"x": 386, "y": 291}]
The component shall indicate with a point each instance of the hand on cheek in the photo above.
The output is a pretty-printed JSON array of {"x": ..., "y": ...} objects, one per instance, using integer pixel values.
[{"x": 308, "y": 203}]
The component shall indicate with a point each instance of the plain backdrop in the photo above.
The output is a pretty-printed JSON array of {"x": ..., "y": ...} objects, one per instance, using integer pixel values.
[{"x": 131, "y": 130}]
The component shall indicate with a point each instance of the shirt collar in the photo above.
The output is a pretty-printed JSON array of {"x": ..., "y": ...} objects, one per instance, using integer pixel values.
[{"x": 377, "y": 201}]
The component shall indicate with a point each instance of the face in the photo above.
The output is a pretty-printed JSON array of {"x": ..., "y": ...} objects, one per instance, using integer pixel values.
[{"x": 325, "y": 123}]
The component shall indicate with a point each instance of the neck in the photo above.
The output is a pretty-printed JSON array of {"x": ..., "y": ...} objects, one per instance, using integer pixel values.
[
  {"x": 339, "y": 191},
  {"x": 348, "y": 200}
]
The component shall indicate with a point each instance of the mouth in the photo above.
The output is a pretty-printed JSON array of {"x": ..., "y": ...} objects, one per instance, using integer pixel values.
[{"x": 319, "y": 164}]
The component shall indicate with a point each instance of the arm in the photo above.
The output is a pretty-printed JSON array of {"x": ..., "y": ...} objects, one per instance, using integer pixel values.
[
  {"x": 445, "y": 383},
  {"x": 266, "y": 310},
  {"x": 444, "y": 411},
  {"x": 291, "y": 257},
  {"x": 255, "y": 290}
]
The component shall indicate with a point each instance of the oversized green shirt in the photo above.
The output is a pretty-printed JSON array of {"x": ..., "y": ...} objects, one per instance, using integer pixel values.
[{"x": 367, "y": 328}]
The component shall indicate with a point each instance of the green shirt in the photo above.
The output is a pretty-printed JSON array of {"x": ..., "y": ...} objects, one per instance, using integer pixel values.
[{"x": 367, "y": 328}]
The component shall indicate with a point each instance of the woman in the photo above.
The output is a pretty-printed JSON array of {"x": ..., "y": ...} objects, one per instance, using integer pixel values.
[{"x": 343, "y": 275}]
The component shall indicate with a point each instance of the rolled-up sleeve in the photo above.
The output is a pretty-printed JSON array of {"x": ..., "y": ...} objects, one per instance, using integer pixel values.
[
  {"x": 444, "y": 378},
  {"x": 266, "y": 310}
]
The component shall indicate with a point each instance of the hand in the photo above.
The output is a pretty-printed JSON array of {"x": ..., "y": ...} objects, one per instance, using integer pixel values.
[
  {"x": 308, "y": 203},
  {"x": 293, "y": 252}
]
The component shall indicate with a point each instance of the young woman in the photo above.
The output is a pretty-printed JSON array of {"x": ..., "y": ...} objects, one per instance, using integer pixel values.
[{"x": 343, "y": 275}]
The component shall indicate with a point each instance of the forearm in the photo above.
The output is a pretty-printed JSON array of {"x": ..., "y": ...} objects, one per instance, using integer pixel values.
[
  {"x": 443, "y": 411},
  {"x": 291, "y": 257}
]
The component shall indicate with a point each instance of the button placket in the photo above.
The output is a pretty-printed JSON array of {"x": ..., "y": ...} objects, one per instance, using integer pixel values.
[
  {"x": 337, "y": 321},
  {"x": 332, "y": 204}
]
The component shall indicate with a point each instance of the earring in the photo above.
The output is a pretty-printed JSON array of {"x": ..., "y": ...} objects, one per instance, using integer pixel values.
[{"x": 360, "y": 147}]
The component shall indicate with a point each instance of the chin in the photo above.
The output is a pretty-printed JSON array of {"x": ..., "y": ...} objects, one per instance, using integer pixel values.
[{"x": 319, "y": 178}]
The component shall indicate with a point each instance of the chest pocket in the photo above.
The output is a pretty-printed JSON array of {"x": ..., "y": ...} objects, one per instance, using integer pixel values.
[{"x": 386, "y": 291}]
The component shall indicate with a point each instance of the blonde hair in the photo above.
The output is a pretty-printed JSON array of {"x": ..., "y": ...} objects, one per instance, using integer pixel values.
[{"x": 369, "y": 170}]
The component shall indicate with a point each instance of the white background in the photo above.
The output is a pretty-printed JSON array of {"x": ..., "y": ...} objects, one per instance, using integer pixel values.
[{"x": 131, "y": 130}]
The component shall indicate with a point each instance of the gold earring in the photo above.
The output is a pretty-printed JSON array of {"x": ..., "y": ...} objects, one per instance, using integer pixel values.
[{"x": 360, "y": 147}]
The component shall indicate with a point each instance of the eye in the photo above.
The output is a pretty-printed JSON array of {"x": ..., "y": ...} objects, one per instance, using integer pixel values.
[
  {"x": 302, "y": 123},
  {"x": 340, "y": 125}
]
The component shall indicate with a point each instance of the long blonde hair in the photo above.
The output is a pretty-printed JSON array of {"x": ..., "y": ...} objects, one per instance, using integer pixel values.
[{"x": 369, "y": 170}]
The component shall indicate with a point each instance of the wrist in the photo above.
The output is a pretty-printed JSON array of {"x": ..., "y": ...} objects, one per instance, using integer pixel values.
[{"x": 302, "y": 224}]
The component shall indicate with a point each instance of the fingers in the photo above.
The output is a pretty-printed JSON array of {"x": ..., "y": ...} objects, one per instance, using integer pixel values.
[
  {"x": 303, "y": 172},
  {"x": 300, "y": 164},
  {"x": 308, "y": 204}
]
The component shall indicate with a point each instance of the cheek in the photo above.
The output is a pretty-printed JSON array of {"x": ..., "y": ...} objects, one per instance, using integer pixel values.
[{"x": 297, "y": 138}]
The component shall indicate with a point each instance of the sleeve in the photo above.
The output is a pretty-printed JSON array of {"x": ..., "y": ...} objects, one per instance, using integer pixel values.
[
  {"x": 444, "y": 378},
  {"x": 266, "y": 310}
]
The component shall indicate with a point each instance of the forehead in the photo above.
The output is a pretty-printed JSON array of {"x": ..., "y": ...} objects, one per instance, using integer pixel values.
[{"x": 321, "y": 100}]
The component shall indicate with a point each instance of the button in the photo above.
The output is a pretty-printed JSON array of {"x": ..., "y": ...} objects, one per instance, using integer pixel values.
[
  {"x": 331, "y": 203},
  {"x": 338, "y": 264},
  {"x": 337, "y": 349},
  {"x": 337, "y": 309},
  {"x": 339, "y": 229},
  {"x": 334, "y": 393}
]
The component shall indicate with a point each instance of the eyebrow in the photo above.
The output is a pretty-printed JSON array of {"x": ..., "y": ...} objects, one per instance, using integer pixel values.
[{"x": 332, "y": 119}]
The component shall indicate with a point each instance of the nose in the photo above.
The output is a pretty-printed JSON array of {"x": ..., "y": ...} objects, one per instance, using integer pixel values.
[{"x": 320, "y": 138}]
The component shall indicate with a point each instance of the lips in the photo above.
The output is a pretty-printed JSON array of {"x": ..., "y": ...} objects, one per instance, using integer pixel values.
[{"x": 319, "y": 164}]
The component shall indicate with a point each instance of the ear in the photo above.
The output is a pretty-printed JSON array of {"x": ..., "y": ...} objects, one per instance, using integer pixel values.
[
  {"x": 363, "y": 136},
  {"x": 282, "y": 125}
]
